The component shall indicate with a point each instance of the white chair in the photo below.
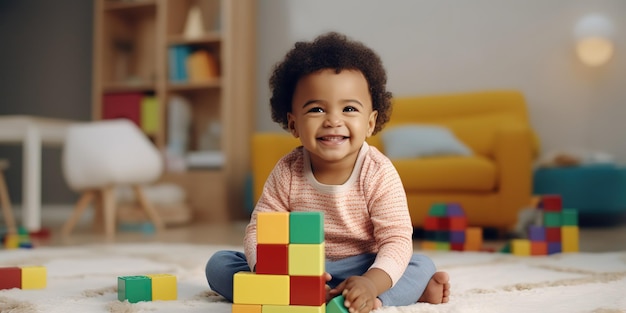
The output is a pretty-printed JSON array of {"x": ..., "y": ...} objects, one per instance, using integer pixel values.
[
  {"x": 99, "y": 156},
  {"x": 5, "y": 201}
]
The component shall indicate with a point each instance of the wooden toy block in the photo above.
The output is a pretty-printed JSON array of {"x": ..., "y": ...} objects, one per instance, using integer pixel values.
[
  {"x": 569, "y": 217},
  {"x": 336, "y": 305},
  {"x": 442, "y": 246},
  {"x": 10, "y": 277},
  {"x": 134, "y": 288},
  {"x": 163, "y": 287},
  {"x": 457, "y": 246},
  {"x": 457, "y": 236},
  {"x": 473, "y": 238},
  {"x": 536, "y": 233},
  {"x": 272, "y": 259},
  {"x": 430, "y": 235},
  {"x": 552, "y": 219},
  {"x": 554, "y": 247},
  {"x": 307, "y": 290},
  {"x": 457, "y": 223},
  {"x": 437, "y": 209},
  {"x": 454, "y": 209},
  {"x": 33, "y": 277},
  {"x": 429, "y": 245},
  {"x": 11, "y": 241},
  {"x": 442, "y": 235},
  {"x": 570, "y": 239},
  {"x": 520, "y": 247},
  {"x": 251, "y": 288},
  {"x": 431, "y": 223},
  {"x": 306, "y": 227},
  {"x": 306, "y": 260},
  {"x": 294, "y": 309},
  {"x": 247, "y": 308},
  {"x": 538, "y": 248},
  {"x": 273, "y": 227},
  {"x": 551, "y": 203},
  {"x": 553, "y": 234}
]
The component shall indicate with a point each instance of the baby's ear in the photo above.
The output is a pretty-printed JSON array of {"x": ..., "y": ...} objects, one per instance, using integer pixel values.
[
  {"x": 372, "y": 123},
  {"x": 291, "y": 124}
]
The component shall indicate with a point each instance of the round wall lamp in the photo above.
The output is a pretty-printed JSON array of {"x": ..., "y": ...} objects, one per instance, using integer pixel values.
[{"x": 593, "y": 34}]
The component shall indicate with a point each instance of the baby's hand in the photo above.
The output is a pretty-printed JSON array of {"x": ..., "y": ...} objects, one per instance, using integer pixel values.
[{"x": 360, "y": 294}]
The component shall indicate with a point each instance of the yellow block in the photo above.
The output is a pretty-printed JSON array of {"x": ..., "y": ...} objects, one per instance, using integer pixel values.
[
  {"x": 570, "y": 239},
  {"x": 294, "y": 309},
  {"x": 33, "y": 277},
  {"x": 473, "y": 239},
  {"x": 429, "y": 245},
  {"x": 12, "y": 241},
  {"x": 272, "y": 227},
  {"x": 520, "y": 247},
  {"x": 163, "y": 287},
  {"x": 306, "y": 259},
  {"x": 247, "y": 308},
  {"x": 251, "y": 288}
]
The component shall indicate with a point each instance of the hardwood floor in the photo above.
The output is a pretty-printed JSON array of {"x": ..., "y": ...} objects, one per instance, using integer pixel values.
[{"x": 592, "y": 239}]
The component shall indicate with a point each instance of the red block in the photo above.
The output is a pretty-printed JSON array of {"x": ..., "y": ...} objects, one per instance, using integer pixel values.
[
  {"x": 431, "y": 223},
  {"x": 10, "y": 277},
  {"x": 307, "y": 290},
  {"x": 551, "y": 203},
  {"x": 458, "y": 223},
  {"x": 457, "y": 246},
  {"x": 122, "y": 105},
  {"x": 272, "y": 259},
  {"x": 538, "y": 248},
  {"x": 553, "y": 234}
]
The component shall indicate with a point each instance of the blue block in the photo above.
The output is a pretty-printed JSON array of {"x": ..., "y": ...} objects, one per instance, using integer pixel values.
[
  {"x": 454, "y": 209},
  {"x": 536, "y": 233},
  {"x": 554, "y": 247},
  {"x": 457, "y": 237}
]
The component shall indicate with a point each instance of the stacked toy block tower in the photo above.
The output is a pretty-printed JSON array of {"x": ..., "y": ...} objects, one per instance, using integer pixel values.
[
  {"x": 289, "y": 274},
  {"x": 445, "y": 228},
  {"x": 557, "y": 229}
]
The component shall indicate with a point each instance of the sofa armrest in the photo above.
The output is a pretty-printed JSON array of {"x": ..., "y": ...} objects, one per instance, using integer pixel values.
[
  {"x": 266, "y": 150},
  {"x": 514, "y": 151}
]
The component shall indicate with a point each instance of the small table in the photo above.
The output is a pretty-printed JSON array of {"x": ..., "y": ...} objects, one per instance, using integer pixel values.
[{"x": 32, "y": 132}]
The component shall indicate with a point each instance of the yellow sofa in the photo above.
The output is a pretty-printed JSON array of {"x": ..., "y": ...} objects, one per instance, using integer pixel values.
[{"x": 492, "y": 184}]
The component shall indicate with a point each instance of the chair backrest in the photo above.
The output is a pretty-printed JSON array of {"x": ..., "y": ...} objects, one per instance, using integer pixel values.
[
  {"x": 473, "y": 117},
  {"x": 109, "y": 152}
]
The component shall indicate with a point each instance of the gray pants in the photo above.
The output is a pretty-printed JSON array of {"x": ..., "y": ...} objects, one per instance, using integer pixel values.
[{"x": 224, "y": 264}]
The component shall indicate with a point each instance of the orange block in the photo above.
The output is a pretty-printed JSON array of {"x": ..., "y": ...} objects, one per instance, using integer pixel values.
[
  {"x": 538, "y": 248},
  {"x": 473, "y": 239},
  {"x": 247, "y": 308}
]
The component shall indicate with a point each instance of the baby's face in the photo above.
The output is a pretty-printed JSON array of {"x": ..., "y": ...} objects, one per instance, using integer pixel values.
[{"x": 332, "y": 114}]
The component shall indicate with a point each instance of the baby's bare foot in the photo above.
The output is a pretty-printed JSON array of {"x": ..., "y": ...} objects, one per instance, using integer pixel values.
[{"x": 438, "y": 289}]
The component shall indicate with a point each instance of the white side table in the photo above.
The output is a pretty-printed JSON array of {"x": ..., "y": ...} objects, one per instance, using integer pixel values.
[{"x": 32, "y": 132}]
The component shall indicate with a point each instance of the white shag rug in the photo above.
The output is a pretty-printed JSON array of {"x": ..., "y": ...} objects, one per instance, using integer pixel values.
[{"x": 84, "y": 279}]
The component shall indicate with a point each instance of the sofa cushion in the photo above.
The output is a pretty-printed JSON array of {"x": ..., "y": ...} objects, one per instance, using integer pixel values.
[
  {"x": 447, "y": 173},
  {"x": 415, "y": 140}
]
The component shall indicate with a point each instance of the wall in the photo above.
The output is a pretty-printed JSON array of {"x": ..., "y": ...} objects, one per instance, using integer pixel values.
[
  {"x": 447, "y": 46},
  {"x": 45, "y": 70}
]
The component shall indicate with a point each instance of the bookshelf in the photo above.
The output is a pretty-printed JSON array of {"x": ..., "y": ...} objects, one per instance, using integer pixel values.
[{"x": 142, "y": 55}]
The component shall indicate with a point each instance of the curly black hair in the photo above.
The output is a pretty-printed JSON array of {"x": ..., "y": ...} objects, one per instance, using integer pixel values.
[{"x": 328, "y": 51}]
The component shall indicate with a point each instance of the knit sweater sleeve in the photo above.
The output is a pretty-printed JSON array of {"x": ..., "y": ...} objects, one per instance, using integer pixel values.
[
  {"x": 390, "y": 217},
  {"x": 274, "y": 198}
]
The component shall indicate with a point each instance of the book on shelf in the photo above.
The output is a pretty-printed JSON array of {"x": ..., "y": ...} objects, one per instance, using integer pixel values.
[
  {"x": 149, "y": 115},
  {"x": 177, "y": 62}
]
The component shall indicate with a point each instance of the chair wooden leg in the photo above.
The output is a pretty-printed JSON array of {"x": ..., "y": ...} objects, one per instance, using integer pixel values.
[
  {"x": 145, "y": 204},
  {"x": 97, "y": 222},
  {"x": 81, "y": 205},
  {"x": 108, "y": 200},
  {"x": 6, "y": 206}
]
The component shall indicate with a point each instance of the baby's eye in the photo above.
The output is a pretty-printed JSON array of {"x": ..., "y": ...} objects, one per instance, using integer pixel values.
[
  {"x": 350, "y": 109},
  {"x": 316, "y": 110}
]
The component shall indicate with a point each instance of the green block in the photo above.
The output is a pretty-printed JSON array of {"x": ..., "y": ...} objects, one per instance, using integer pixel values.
[
  {"x": 134, "y": 288},
  {"x": 336, "y": 305},
  {"x": 551, "y": 219},
  {"x": 506, "y": 248},
  {"x": 442, "y": 235},
  {"x": 306, "y": 227},
  {"x": 569, "y": 217},
  {"x": 442, "y": 246},
  {"x": 438, "y": 209}
]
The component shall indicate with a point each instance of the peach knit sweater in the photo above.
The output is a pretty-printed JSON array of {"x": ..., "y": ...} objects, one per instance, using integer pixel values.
[{"x": 367, "y": 214}]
